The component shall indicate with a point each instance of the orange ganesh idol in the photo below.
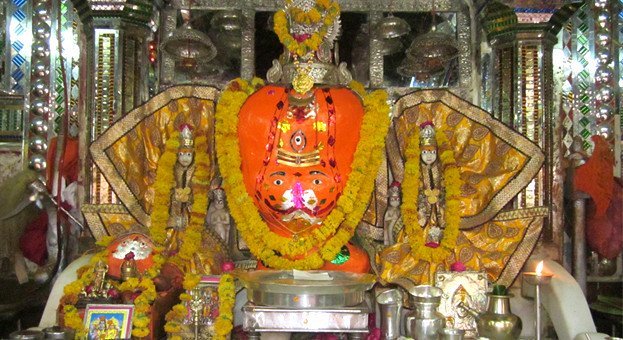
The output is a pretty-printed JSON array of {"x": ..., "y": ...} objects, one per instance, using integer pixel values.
[{"x": 309, "y": 148}]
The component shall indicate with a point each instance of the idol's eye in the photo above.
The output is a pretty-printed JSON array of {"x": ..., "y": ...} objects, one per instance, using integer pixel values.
[
  {"x": 278, "y": 182},
  {"x": 317, "y": 181}
]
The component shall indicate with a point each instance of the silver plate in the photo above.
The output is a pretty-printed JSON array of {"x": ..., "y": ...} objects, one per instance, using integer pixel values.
[{"x": 281, "y": 289}]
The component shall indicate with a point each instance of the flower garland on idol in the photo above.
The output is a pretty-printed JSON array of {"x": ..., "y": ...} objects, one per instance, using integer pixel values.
[
  {"x": 302, "y": 45},
  {"x": 338, "y": 228},
  {"x": 410, "y": 186},
  {"x": 191, "y": 240}
]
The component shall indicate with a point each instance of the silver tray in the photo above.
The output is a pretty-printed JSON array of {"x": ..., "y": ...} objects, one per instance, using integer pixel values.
[{"x": 281, "y": 289}]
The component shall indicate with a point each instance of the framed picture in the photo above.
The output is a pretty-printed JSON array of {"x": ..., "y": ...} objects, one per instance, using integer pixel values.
[{"x": 108, "y": 321}]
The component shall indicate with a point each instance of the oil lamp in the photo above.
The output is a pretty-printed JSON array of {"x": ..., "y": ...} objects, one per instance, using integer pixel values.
[{"x": 538, "y": 279}]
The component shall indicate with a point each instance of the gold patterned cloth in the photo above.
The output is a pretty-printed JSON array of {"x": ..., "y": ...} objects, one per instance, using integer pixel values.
[
  {"x": 498, "y": 247},
  {"x": 128, "y": 152},
  {"x": 495, "y": 164}
]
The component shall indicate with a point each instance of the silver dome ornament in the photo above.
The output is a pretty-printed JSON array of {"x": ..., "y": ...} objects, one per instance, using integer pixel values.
[
  {"x": 431, "y": 52},
  {"x": 41, "y": 9},
  {"x": 41, "y": 30},
  {"x": 410, "y": 67},
  {"x": 230, "y": 40},
  {"x": 37, "y": 162},
  {"x": 189, "y": 46},
  {"x": 40, "y": 68},
  {"x": 603, "y": 18},
  {"x": 39, "y": 88},
  {"x": 603, "y": 38},
  {"x": 40, "y": 49},
  {"x": 605, "y": 130},
  {"x": 392, "y": 27},
  {"x": 603, "y": 55},
  {"x": 603, "y": 113},
  {"x": 604, "y": 74},
  {"x": 605, "y": 94},
  {"x": 391, "y": 46},
  {"x": 38, "y": 125},
  {"x": 39, "y": 107},
  {"x": 230, "y": 20},
  {"x": 38, "y": 144}
]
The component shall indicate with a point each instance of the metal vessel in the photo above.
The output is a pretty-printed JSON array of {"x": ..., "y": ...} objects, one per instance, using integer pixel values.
[
  {"x": 282, "y": 289},
  {"x": 390, "y": 306},
  {"x": 57, "y": 332},
  {"x": 497, "y": 322},
  {"x": 425, "y": 321}
]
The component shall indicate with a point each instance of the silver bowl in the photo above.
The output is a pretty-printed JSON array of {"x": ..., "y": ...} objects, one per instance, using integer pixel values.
[{"x": 281, "y": 289}]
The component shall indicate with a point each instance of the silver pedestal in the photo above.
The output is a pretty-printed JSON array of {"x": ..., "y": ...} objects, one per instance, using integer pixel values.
[{"x": 353, "y": 320}]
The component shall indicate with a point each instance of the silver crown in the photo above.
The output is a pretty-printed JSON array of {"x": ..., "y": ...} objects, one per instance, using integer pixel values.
[{"x": 304, "y": 5}]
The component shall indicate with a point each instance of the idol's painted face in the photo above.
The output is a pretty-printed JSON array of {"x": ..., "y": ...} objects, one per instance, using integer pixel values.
[
  {"x": 185, "y": 157},
  {"x": 296, "y": 153},
  {"x": 137, "y": 245},
  {"x": 394, "y": 200},
  {"x": 429, "y": 156},
  {"x": 218, "y": 197},
  {"x": 297, "y": 197}
]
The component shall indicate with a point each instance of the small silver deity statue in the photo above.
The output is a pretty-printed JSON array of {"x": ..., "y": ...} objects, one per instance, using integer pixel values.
[
  {"x": 392, "y": 215},
  {"x": 218, "y": 217}
]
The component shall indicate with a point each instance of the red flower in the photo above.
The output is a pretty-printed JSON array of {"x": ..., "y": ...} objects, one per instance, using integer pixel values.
[
  {"x": 458, "y": 266},
  {"x": 227, "y": 266},
  {"x": 432, "y": 244},
  {"x": 113, "y": 293},
  {"x": 301, "y": 37}
]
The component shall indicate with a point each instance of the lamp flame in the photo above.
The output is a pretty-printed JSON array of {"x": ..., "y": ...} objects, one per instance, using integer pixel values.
[{"x": 539, "y": 268}]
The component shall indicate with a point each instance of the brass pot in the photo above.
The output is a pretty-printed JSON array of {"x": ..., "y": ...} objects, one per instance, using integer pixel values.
[{"x": 498, "y": 322}]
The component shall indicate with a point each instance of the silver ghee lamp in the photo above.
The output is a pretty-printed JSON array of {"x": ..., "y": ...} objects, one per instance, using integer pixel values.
[{"x": 57, "y": 332}]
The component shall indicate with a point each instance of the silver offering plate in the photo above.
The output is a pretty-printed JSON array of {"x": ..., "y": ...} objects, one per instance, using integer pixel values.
[{"x": 280, "y": 288}]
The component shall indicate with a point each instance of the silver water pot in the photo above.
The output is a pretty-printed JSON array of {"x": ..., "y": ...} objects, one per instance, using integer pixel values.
[{"x": 425, "y": 321}]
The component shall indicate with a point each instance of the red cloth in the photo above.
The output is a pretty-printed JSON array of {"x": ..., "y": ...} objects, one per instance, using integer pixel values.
[
  {"x": 604, "y": 233},
  {"x": 69, "y": 169},
  {"x": 33, "y": 242},
  {"x": 595, "y": 176}
]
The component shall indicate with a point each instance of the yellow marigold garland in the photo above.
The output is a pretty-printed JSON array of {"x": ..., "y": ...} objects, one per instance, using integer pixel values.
[
  {"x": 314, "y": 16},
  {"x": 143, "y": 301},
  {"x": 191, "y": 240},
  {"x": 226, "y": 301},
  {"x": 410, "y": 188},
  {"x": 326, "y": 241},
  {"x": 165, "y": 180}
]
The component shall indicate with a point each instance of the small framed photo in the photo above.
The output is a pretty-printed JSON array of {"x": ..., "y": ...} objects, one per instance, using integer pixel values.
[{"x": 108, "y": 321}]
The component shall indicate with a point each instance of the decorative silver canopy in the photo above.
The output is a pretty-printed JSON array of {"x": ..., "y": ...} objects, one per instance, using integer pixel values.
[
  {"x": 189, "y": 46},
  {"x": 429, "y": 54},
  {"x": 392, "y": 27}
]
